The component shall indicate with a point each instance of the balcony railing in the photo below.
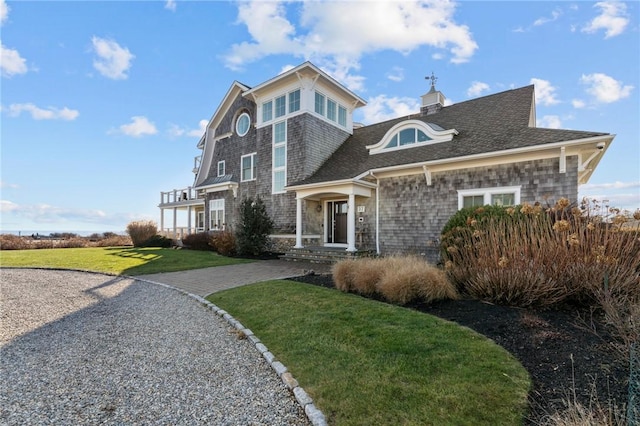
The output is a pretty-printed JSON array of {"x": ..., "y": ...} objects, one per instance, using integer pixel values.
[{"x": 178, "y": 195}]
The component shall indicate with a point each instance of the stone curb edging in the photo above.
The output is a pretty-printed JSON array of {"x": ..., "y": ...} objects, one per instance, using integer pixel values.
[{"x": 315, "y": 416}]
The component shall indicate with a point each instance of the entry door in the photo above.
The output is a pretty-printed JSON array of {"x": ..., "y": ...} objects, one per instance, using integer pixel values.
[{"x": 337, "y": 220}]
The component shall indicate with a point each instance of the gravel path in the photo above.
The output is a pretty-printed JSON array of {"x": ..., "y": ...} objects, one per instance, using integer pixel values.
[{"x": 79, "y": 348}]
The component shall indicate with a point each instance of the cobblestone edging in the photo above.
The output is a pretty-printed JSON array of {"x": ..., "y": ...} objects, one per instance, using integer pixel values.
[{"x": 315, "y": 416}]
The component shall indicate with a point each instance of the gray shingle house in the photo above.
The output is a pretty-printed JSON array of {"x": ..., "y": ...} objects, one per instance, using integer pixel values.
[{"x": 388, "y": 187}]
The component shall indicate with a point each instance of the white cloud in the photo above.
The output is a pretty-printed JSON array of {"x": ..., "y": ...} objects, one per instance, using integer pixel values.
[
  {"x": 37, "y": 113},
  {"x": 605, "y": 89},
  {"x": 177, "y": 131},
  {"x": 477, "y": 88},
  {"x": 613, "y": 19},
  {"x": 381, "y": 108},
  {"x": 139, "y": 126},
  {"x": 396, "y": 74},
  {"x": 545, "y": 93},
  {"x": 550, "y": 122},
  {"x": 113, "y": 61},
  {"x": 170, "y": 5},
  {"x": 578, "y": 103},
  {"x": 4, "y": 184},
  {"x": 11, "y": 63},
  {"x": 8, "y": 206},
  {"x": 622, "y": 195},
  {"x": 611, "y": 185},
  {"x": 544, "y": 20},
  {"x": 328, "y": 34},
  {"x": 4, "y": 12}
]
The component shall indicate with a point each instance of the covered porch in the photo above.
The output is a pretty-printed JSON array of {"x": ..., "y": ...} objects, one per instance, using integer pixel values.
[
  {"x": 344, "y": 210},
  {"x": 186, "y": 213}
]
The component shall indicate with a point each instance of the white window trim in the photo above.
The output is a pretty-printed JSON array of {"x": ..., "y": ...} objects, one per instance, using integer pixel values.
[
  {"x": 253, "y": 166},
  {"x": 488, "y": 192},
  {"x": 325, "y": 116},
  {"x": 287, "y": 107},
  {"x": 224, "y": 168},
  {"x": 273, "y": 158},
  {"x": 244, "y": 114},
  {"x": 217, "y": 206},
  {"x": 437, "y": 136}
]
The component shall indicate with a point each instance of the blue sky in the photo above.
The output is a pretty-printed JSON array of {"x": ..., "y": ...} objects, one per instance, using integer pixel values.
[{"x": 103, "y": 103}]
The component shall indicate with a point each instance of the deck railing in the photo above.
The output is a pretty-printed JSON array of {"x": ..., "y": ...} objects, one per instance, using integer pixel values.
[{"x": 178, "y": 195}]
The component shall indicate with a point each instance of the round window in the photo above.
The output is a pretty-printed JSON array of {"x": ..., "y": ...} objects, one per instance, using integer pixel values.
[{"x": 243, "y": 123}]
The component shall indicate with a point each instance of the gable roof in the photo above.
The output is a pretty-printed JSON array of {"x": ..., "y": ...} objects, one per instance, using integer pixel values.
[{"x": 494, "y": 123}]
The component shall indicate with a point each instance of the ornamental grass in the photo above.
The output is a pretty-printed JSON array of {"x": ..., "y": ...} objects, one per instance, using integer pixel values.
[{"x": 398, "y": 280}]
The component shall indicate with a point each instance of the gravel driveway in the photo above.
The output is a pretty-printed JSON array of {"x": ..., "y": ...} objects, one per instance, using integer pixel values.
[{"x": 80, "y": 348}]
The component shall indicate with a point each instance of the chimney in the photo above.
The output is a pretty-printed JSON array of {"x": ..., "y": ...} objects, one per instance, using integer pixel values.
[{"x": 433, "y": 101}]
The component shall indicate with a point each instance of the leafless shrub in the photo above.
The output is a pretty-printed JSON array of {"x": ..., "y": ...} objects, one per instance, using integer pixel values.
[
  {"x": 141, "y": 231},
  {"x": 224, "y": 242},
  {"x": 13, "y": 242}
]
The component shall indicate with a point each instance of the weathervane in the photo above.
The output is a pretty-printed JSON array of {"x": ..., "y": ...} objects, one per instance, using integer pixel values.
[{"x": 433, "y": 79}]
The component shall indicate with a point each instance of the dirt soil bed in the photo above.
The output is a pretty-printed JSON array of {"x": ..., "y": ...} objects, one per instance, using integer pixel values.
[{"x": 564, "y": 350}]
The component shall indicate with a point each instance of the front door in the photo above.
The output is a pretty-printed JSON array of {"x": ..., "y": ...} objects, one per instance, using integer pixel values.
[{"x": 337, "y": 222}]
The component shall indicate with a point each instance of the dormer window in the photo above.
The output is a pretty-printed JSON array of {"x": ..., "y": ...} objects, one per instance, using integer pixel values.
[
  {"x": 411, "y": 133},
  {"x": 407, "y": 137}
]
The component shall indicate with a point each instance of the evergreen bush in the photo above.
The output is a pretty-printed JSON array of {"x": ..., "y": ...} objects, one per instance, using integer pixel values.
[{"x": 254, "y": 227}]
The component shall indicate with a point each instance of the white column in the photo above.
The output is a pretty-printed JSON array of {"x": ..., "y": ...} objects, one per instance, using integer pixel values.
[
  {"x": 188, "y": 220},
  {"x": 161, "y": 221},
  {"x": 298, "y": 223},
  {"x": 175, "y": 222},
  {"x": 351, "y": 223}
]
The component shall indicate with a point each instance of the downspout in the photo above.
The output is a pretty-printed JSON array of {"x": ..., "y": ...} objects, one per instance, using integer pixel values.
[{"x": 377, "y": 213}]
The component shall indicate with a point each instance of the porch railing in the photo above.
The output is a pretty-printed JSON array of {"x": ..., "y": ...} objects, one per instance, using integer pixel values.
[{"x": 178, "y": 195}]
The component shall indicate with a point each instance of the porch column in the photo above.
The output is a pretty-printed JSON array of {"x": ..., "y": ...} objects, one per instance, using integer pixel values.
[
  {"x": 188, "y": 220},
  {"x": 351, "y": 223},
  {"x": 298, "y": 223},
  {"x": 162, "y": 221},
  {"x": 175, "y": 222}
]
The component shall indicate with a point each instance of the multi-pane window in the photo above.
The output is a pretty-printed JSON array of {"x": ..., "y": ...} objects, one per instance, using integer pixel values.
[
  {"x": 331, "y": 110},
  {"x": 472, "y": 201},
  {"x": 319, "y": 104},
  {"x": 499, "y": 196},
  {"x": 294, "y": 101},
  {"x": 503, "y": 199},
  {"x": 248, "y": 166},
  {"x": 407, "y": 137},
  {"x": 279, "y": 156},
  {"x": 216, "y": 214},
  {"x": 342, "y": 116},
  {"x": 267, "y": 111},
  {"x": 221, "y": 168},
  {"x": 281, "y": 106}
]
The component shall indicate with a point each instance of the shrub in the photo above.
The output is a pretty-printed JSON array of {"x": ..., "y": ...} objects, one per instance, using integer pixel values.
[
  {"x": 199, "y": 241},
  {"x": 13, "y": 242},
  {"x": 398, "y": 279},
  {"x": 157, "y": 241},
  {"x": 224, "y": 242},
  {"x": 113, "y": 241},
  {"x": 141, "y": 231},
  {"x": 254, "y": 227},
  {"x": 342, "y": 273},
  {"x": 529, "y": 256}
]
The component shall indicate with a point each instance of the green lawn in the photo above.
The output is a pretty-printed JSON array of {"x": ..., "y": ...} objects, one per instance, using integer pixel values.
[
  {"x": 370, "y": 363},
  {"x": 116, "y": 260}
]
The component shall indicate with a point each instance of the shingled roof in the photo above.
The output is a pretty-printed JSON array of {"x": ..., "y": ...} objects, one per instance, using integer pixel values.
[{"x": 492, "y": 123}]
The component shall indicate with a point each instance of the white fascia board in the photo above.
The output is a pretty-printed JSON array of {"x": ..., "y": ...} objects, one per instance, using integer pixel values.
[
  {"x": 509, "y": 152},
  {"x": 334, "y": 183},
  {"x": 293, "y": 74}
]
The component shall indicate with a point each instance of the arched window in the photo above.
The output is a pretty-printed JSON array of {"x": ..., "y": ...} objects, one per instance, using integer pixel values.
[{"x": 410, "y": 133}]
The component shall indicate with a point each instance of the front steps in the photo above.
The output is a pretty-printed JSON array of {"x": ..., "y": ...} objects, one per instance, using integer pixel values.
[{"x": 327, "y": 255}]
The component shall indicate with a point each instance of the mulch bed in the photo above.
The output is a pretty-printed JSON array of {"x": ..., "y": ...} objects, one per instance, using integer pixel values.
[{"x": 565, "y": 350}]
